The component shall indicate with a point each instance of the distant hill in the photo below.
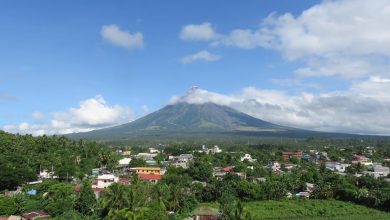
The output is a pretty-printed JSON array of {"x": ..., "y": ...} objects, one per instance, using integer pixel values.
[{"x": 205, "y": 120}]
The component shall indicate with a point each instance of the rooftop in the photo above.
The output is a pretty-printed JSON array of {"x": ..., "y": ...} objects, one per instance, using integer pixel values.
[{"x": 150, "y": 176}]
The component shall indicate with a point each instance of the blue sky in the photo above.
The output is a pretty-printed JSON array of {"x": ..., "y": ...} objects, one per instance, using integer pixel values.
[{"x": 61, "y": 62}]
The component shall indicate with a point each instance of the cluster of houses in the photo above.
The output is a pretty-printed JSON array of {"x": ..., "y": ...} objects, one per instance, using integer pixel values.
[
  {"x": 151, "y": 173},
  {"x": 154, "y": 173}
]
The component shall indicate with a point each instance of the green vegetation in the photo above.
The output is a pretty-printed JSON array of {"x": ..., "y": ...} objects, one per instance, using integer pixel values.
[
  {"x": 22, "y": 156},
  {"x": 312, "y": 209},
  {"x": 181, "y": 190},
  {"x": 308, "y": 209}
]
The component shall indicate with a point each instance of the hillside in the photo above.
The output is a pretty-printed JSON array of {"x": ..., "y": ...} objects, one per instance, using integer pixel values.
[{"x": 206, "y": 120}]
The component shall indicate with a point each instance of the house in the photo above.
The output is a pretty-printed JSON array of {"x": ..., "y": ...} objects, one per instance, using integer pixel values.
[
  {"x": 35, "y": 215},
  {"x": 146, "y": 156},
  {"x": 44, "y": 174},
  {"x": 219, "y": 172},
  {"x": 151, "y": 162},
  {"x": 182, "y": 160},
  {"x": 153, "y": 150},
  {"x": 105, "y": 180},
  {"x": 310, "y": 187},
  {"x": 126, "y": 153},
  {"x": 124, "y": 162},
  {"x": 379, "y": 171},
  {"x": 386, "y": 162},
  {"x": 370, "y": 150},
  {"x": 216, "y": 149},
  {"x": 153, "y": 178},
  {"x": 257, "y": 179},
  {"x": 124, "y": 181},
  {"x": 362, "y": 159},
  {"x": 213, "y": 150},
  {"x": 34, "y": 182},
  {"x": 288, "y": 166},
  {"x": 248, "y": 157},
  {"x": 336, "y": 166},
  {"x": 205, "y": 213},
  {"x": 14, "y": 217},
  {"x": 273, "y": 165},
  {"x": 147, "y": 170},
  {"x": 277, "y": 171},
  {"x": 95, "y": 172},
  {"x": 13, "y": 192},
  {"x": 288, "y": 155},
  {"x": 303, "y": 194},
  {"x": 306, "y": 157}
]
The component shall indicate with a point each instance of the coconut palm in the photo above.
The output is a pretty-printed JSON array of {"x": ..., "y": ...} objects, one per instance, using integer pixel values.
[
  {"x": 116, "y": 197},
  {"x": 174, "y": 200}
]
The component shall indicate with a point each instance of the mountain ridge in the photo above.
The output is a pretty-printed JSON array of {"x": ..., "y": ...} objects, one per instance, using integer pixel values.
[{"x": 205, "y": 119}]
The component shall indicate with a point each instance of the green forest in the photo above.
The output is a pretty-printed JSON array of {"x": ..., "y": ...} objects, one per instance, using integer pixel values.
[{"x": 181, "y": 191}]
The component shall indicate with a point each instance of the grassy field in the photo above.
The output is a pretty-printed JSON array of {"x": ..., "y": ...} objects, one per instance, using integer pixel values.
[{"x": 311, "y": 209}]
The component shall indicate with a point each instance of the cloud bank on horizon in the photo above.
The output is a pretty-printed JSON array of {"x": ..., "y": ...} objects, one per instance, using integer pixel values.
[
  {"x": 347, "y": 40},
  {"x": 91, "y": 114},
  {"x": 349, "y": 111}
]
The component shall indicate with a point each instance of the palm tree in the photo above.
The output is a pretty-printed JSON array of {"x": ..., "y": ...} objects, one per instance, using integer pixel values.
[
  {"x": 174, "y": 202},
  {"x": 162, "y": 192},
  {"x": 116, "y": 197},
  {"x": 240, "y": 213},
  {"x": 19, "y": 203},
  {"x": 127, "y": 214}
]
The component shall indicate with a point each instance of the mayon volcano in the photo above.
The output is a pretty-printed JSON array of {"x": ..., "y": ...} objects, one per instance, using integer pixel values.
[{"x": 187, "y": 118}]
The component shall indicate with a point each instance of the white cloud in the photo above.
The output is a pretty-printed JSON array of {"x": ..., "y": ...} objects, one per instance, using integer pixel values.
[
  {"x": 200, "y": 56},
  {"x": 344, "y": 38},
  {"x": 198, "y": 32},
  {"x": 38, "y": 115},
  {"x": 91, "y": 114},
  {"x": 23, "y": 126},
  {"x": 357, "y": 110},
  {"x": 122, "y": 38},
  {"x": 244, "y": 39}
]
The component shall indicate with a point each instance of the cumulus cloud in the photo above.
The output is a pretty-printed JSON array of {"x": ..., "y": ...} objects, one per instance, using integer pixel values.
[
  {"x": 91, "y": 114},
  {"x": 198, "y": 32},
  {"x": 200, "y": 56},
  {"x": 344, "y": 38},
  {"x": 122, "y": 38},
  {"x": 357, "y": 110}
]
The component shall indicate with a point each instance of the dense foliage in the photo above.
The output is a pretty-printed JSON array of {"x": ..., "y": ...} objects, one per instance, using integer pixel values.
[
  {"x": 22, "y": 156},
  {"x": 181, "y": 190}
]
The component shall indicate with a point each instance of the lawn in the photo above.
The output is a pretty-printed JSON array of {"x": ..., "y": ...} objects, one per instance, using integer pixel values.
[{"x": 311, "y": 209}]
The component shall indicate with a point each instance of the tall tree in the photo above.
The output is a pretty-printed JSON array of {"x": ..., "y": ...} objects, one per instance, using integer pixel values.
[
  {"x": 86, "y": 202},
  {"x": 116, "y": 197}
]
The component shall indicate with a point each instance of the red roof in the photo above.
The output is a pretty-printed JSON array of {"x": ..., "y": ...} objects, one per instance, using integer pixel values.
[
  {"x": 36, "y": 215},
  {"x": 359, "y": 156},
  {"x": 228, "y": 169},
  {"x": 124, "y": 181},
  {"x": 76, "y": 188},
  {"x": 150, "y": 176}
]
